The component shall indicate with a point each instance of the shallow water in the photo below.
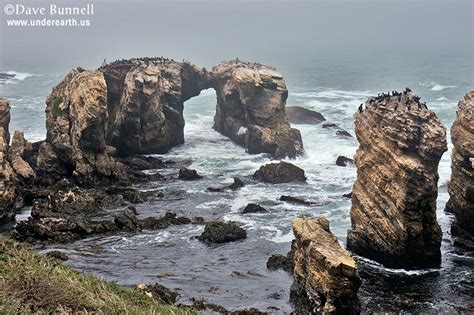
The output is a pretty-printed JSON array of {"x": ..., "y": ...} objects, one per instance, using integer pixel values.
[{"x": 234, "y": 275}]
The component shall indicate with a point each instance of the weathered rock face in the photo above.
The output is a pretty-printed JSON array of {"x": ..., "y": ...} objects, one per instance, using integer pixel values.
[
  {"x": 325, "y": 276},
  {"x": 7, "y": 175},
  {"x": 76, "y": 123},
  {"x": 20, "y": 149},
  {"x": 281, "y": 172},
  {"x": 461, "y": 186},
  {"x": 251, "y": 102},
  {"x": 393, "y": 209}
]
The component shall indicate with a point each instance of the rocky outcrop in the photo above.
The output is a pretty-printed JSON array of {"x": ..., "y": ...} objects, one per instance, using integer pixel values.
[
  {"x": 393, "y": 209},
  {"x": 188, "y": 174},
  {"x": 76, "y": 123},
  {"x": 461, "y": 185},
  {"x": 222, "y": 232},
  {"x": 301, "y": 115},
  {"x": 325, "y": 276},
  {"x": 251, "y": 102},
  {"x": 19, "y": 150},
  {"x": 281, "y": 172},
  {"x": 254, "y": 208},
  {"x": 7, "y": 175},
  {"x": 237, "y": 184},
  {"x": 344, "y": 161}
]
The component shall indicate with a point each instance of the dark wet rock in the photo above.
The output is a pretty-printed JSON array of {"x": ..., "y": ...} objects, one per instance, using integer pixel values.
[
  {"x": 393, "y": 211},
  {"x": 56, "y": 254},
  {"x": 348, "y": 195},
  {"x": 152, "y": 223},
  {"x": 188, "y": 174},
  {"x": 461, "y": 185},
  {"x": 237, "y": 184},
  {"x": 129, "y": 194},
  {"x": 281, "y": 172},
  {"x": 57, "y": 230},
  {"x": 126, "y": 220},
  {"x": 330, "y": 126},
  {"x": 203, "y": 305},
  {"x": 222, "y": 232},
  {"x": 301, "y": 115},
  {"x": 140, "y": 163},
  {"x": 254, "y": 208},
  {"x": 278, "y": 261},
  {"x": 326, "y": 279},
  {"x": 344, "y": 161},
  {"x": 159, "y": 292},
  {"x": 343, "y": 133},
  {"x": 250, "y": 311},
  {"x": 297, "y": 200}
]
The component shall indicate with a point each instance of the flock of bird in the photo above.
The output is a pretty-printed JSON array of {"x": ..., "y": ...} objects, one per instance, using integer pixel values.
[{"x": 409, "y": 101}]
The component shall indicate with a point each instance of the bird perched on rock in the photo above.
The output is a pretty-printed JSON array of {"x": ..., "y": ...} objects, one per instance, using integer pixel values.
[
  {"x": 360, "y": 108},
  {"x": 104, "y": 63}
]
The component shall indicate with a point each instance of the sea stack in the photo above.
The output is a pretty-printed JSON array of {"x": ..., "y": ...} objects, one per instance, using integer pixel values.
[
  {"x": 7, "y": 178},
  {"x": 393, "y": 209},
  {"x": 326, "y": 280},
  {"x": 461, "y": 186}
]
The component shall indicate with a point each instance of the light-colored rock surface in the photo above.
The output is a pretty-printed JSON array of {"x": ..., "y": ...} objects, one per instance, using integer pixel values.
[
  {"x": 325, "y": 275},
  {"x": 7, "y": 175},
  {"x": 18, "y": 149},
  {"x": 461, "y": 185},
  {"x": 393, "y": 209}
]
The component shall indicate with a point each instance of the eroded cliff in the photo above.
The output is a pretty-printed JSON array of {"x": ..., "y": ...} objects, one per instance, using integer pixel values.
[
  {"x": 393, "y": 209},
  {"x": 461, "y": 185}
]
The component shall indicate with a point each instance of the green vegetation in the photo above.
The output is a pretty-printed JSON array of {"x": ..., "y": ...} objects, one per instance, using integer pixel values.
[
  {"x": 31, "y": 283},
  {"x": 56, "y": 109}
]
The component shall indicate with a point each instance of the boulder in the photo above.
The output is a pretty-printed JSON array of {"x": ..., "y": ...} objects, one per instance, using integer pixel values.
[
  {"x": 222, "y": 232},
  {"x": 126, "y": 220},
  {"x": 330, "y": 126},
  {"x": 461, "y": 185},
  {"x": 188, "y": 174},
  {"x": 278, "y": 261},
  {"x": 301, "y": 115},
  {"x": 281, "y": 172},
  {"x": 158, "y": 292},
  {"x": 168, "y": 219},
  {"x": 8, "y": 177},
  {"x": 326, "y": 279},
  {"x": 254, "y": 208},
  {"x": 393, "y": 209},
  {"x": 344, "y": 161}
]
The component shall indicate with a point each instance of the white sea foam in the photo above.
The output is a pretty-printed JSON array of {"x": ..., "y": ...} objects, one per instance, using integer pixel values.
[
  {"x": 442, "y": 98},
  {"x": 16, "y": 77},
  {"x": 335, "y": 94},
  {"x": 439, "y": 87}
]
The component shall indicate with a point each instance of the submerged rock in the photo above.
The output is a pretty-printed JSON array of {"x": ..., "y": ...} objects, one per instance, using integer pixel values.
[
  {"x": 222, "y": 232},
  {"x": 237, "y": 184},
  {"x": 281, "y": 172},
  {"x": 301, "y": 115},
  {"x": 254, "y": 208},
  {"x": 8, "y": 177},
  {"x": 393, "y": 209},
  {"x": 461, "y": 185},
  {"x": 162, "y": 223},
  {"x": 297, "y": 200},
  {"x": 325, "y": 276},
  {"x": 344, "y": 161},
  {"x": 343, "y": 133},
  {"x": 188, "y": 174}
]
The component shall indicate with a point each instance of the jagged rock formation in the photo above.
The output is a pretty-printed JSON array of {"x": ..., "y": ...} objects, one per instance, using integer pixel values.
[
  {"x": 325, "y": 276},
  {"x": 251, "y": 102},
  {"x": 135, "y": 106},
  {"x": 7, "y": 175},
  {"x": 461, "y": 186},
  {"x": 19, "y": 150},
  {"x": 76, "y": 123},
  {"x": 393, "y": 209}
]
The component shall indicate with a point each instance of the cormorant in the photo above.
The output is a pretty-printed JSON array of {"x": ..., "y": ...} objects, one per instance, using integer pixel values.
[
  {"x": 104, "y": 63},
  {"x": 360, "y": 108}
]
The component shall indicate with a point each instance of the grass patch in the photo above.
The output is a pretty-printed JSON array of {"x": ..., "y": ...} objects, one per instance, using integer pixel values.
[
  {"x": 56, "y": 112},
  {"x": 31, "y": 283}
]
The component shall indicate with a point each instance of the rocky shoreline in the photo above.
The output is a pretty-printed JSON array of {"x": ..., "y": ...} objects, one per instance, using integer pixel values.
[{"x": 103, "y": 124}]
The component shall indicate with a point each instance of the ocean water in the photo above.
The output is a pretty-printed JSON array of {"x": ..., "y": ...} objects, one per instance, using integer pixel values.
[{"x": 333, "y": 55}]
